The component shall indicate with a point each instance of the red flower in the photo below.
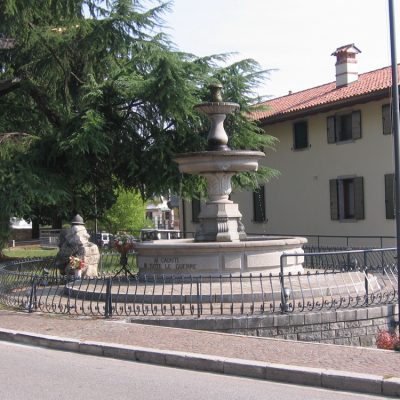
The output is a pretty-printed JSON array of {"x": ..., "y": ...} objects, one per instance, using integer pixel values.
[
  {"x": 386, "y": 340},
  {"x": 76, "y": 263},
  {"x": 124, "y": 243}
]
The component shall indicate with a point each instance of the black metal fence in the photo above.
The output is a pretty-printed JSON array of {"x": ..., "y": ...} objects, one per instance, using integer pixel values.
[
  {"x": 339, "y": 258},
  {"x": 345, "y": 242},
  {"x": 369, "y": 274},
  {"x": 338, "y": 280}
]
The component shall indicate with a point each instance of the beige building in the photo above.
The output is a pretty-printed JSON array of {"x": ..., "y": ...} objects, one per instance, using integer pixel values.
[{"x": 335, "y": 157}]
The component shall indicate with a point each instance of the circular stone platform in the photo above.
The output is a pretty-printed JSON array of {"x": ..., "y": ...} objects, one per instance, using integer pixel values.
[{"x": 254, "y": 255}]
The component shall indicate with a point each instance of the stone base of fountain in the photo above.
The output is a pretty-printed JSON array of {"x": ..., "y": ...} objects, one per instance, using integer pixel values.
[
  {"x": 252, "y": 256},
  {"x": 220, "y": 222}
]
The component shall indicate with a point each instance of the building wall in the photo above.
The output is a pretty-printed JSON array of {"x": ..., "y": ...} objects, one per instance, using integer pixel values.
[{"x": 298, "y": 201}]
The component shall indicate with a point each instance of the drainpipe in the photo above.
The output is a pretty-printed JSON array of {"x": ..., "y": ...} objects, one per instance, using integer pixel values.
[{"x": 395, "y": 107}]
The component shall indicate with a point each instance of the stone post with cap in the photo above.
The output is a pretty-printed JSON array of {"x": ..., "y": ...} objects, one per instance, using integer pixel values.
[{"x": 74, "y": 241}]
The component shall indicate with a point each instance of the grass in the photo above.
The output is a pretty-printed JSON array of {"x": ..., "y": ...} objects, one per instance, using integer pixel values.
[
  {"x": 29, "y": 252},
  {"x": 110, "y": 261}
]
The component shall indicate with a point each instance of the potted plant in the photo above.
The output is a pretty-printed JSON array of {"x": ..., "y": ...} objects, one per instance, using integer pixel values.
[
  {"x": 76, "y": 265},
  {"x": 124, "y": 243}
]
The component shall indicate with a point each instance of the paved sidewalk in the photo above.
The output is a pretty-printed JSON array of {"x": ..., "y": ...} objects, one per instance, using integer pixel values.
[{"x": 342, "y": 367}]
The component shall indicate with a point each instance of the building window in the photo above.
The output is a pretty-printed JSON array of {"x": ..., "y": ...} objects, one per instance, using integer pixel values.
[
  {"x": 389, "y": 196},
  {"x": 195, "y": 209},
  {"x": 347, "y": 198},
  {"x": 259, "y": 204},
  {"x": 300, "y": 135},
  {"x": 343, "y": 127},
  {"x": 386, "y": 119}
]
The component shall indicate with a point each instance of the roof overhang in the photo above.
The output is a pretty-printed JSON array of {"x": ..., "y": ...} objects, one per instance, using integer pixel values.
[{"x": 362, "y": 99}]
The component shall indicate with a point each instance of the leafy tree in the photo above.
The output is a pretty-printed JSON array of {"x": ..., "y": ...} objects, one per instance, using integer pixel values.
[
  {"x": 128, "y": 213},
  {"x": 93, "y": 98}
]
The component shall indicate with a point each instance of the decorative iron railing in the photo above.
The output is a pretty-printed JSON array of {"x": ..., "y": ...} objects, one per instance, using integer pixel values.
[
  {"x": 36, "y": 285},
  {"x": 339, "y": 258},
  {"x": 344, "y": 242}
]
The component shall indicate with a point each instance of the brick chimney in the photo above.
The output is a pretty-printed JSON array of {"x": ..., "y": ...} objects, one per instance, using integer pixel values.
[{"x": 346, "y": 64}]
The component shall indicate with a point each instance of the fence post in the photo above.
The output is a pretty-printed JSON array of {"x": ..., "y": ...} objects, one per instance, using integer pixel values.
[
  {"x": 198, "y": 298},
  {"x": 108, "y": 304},
  {"x": 32, "y": 297},
  {"x": 366, "y": 286},
  {"x": 282, "y": 282},
  {"x": 101, "y": 261},
  {"x": 366, "y": 259},
  {"x": 348, "y": 262}
]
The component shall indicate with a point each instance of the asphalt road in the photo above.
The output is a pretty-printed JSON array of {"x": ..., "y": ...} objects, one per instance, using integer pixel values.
[{"x": 31, "y": 373}]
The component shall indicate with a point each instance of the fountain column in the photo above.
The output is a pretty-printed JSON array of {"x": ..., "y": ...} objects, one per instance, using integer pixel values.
[{"x": 220, "y": 218}]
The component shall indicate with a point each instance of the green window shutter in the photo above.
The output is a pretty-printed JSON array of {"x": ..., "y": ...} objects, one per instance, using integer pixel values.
[
  {"x": 259, "y": 204},
  {"x": 356, "y": 124},
  {"x": 330, "y": 122},
  {"x": 389, "y": 196},
  {"x": 333, "y": 190},
  {"x": 300, "y": 135},
  {"x": 386, "y": 119},
  {"x": 359, "y": 198}
]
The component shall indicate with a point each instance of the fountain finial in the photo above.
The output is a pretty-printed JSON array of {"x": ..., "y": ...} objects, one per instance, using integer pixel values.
[
  {"x": 216, "y": 89},
  {"x": 216, "y": 110}
]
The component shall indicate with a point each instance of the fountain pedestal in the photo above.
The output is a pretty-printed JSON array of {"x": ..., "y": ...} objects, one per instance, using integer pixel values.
[
  {"x": 220, "y": 222},
  {"x": 219, "y": 217}
]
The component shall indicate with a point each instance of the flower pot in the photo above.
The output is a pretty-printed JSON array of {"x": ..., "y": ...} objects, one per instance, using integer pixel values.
[{"x": 78, "y": 273}]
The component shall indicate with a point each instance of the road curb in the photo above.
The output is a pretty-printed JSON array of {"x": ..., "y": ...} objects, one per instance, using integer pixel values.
[{"x": 329, "y": 379}]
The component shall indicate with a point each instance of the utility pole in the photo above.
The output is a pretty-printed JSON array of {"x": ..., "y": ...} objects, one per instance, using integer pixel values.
[{"x": 395, "y": 122}]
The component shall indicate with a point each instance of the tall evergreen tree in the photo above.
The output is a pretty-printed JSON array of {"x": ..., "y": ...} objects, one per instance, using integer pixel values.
[{"x": 93, "y": 97}]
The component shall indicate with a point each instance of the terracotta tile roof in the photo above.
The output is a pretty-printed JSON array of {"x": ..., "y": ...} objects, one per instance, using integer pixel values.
[{"x": 325, "y": 95}]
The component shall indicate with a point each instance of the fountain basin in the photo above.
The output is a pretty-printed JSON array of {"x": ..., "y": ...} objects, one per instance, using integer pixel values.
[
  {"x": 185, "y": 256},
  {"x": 218, "y": 107},
  {"x": 219, "y": 161}
]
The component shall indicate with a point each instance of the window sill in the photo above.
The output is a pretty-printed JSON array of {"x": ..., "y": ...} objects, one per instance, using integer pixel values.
[
  {"x": 345, "y": 141},
  {"x": 301, "y": 149},
  {"x": 349, "y": 220}
]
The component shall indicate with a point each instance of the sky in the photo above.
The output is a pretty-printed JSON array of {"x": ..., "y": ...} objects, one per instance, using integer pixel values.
[{"x": 293, "y": 38}]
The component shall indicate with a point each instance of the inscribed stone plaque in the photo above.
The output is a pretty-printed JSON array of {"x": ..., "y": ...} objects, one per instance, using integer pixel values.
[{"x": 177, "y": 264}]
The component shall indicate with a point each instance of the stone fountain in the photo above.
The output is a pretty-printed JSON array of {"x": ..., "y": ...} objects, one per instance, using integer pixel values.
[{"x": 220, "y": 245}]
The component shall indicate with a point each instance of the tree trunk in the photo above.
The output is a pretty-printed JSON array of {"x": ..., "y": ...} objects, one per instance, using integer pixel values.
[
  {"x": 57, "y": 223},
  {"x": 35, "y": 228}
]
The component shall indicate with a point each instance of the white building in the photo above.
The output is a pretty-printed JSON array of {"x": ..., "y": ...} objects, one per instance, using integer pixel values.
[{"x": 164, "y": 214}]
